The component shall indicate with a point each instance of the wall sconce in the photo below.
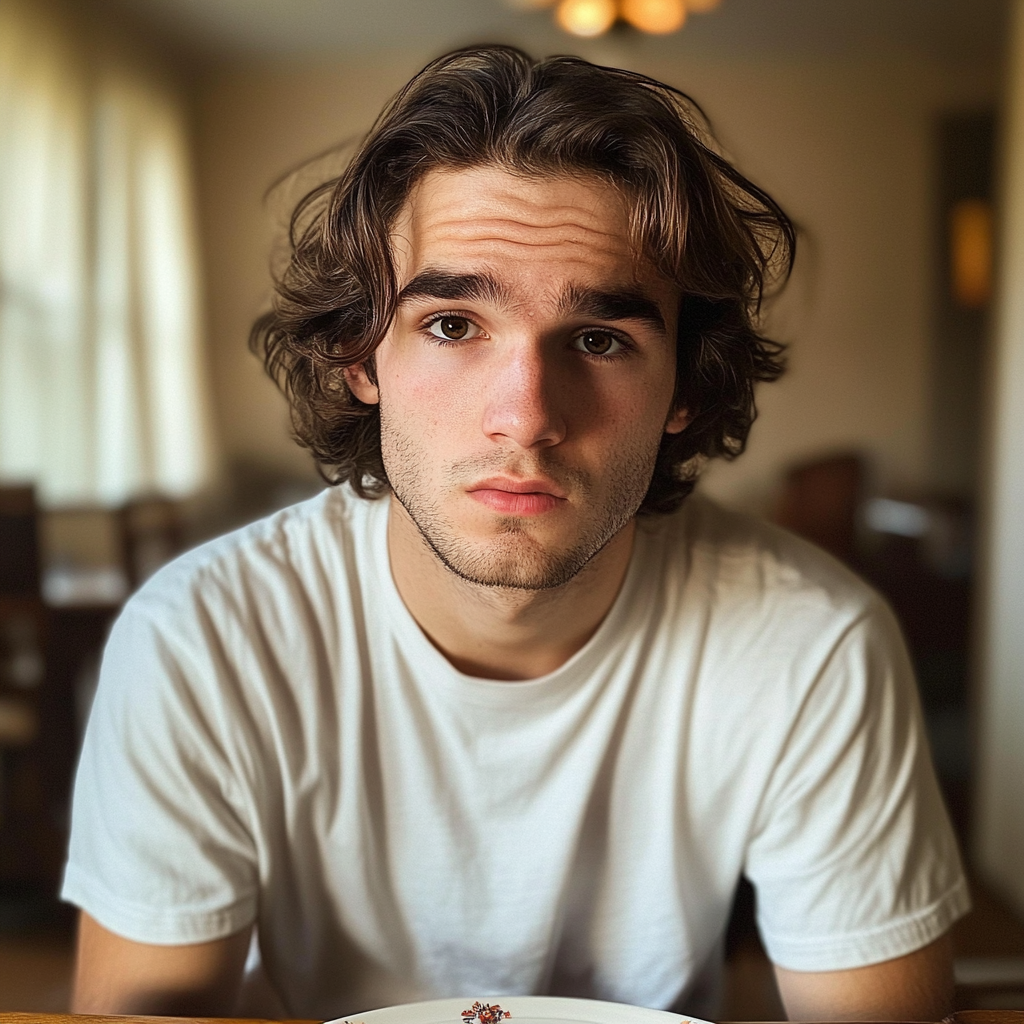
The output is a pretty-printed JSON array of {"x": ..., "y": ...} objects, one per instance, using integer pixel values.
[
  {"x": 970, "y": 252},
  {"x": 590, "y": 18}
]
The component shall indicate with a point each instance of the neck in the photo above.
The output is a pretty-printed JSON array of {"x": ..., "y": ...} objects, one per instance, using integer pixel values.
[{"x": 500, "y": 632}]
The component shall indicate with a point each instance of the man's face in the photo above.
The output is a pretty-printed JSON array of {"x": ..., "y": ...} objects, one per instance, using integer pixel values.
[{"x": 528, "y": 377}]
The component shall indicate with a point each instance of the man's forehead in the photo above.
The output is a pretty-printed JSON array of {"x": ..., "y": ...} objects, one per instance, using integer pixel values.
[
  {"x": 487, "y": 221},
  {"x": 490, "y": 204}
]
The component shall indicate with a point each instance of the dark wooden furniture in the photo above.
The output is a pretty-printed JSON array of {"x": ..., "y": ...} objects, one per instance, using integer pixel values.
[
  {"x": 31, "y": 841},
  {"x": 151, "y": 534},
  {"x": 820, "y": 500},
  {"x": 71, "y": 1018}
]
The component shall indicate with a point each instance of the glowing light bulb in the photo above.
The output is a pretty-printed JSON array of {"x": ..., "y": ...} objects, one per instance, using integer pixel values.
[
  {"x": 658, "y": 17},
  {"x": 701, "y": 6},
  {"x": 586, "y": 17}
]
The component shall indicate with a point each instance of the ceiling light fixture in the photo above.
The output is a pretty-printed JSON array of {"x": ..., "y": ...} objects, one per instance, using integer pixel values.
[
  {"x": 658, "y": 17},
  {"x": 587, "y": 18},
  {"x": 590, "y": 18}
]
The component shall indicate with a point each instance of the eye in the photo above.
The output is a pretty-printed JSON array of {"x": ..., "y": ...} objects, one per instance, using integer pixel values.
[
  {"x": 453, "y": 328},
  {"x": 598, "y": 343}
]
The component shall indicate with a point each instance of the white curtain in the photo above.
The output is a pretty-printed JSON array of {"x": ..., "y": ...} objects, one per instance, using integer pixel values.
[{"x": 102, "y": 390}]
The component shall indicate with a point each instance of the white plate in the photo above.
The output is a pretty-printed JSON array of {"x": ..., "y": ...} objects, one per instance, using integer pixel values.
[{"x": 516, "y": 1010}]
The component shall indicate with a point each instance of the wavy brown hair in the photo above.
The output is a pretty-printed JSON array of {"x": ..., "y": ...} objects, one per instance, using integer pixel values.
[{"x": 692, "y": 215}]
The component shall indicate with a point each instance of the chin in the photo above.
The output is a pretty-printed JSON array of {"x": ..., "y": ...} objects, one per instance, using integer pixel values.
[{"x": 513, "y": 563}]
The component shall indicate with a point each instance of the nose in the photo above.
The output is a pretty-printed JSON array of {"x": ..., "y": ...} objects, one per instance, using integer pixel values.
[{"x": 521, "y": 401}]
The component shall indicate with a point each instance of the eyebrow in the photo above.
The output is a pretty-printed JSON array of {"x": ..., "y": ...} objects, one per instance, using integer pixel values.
[
  {"x": 624, "y": 304},
  {"x": 443, "y": 284},
  {"x": 576, "y": 300}
]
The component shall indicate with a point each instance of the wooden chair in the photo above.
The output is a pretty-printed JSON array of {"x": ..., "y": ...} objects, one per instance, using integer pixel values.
[
  {"x": 151, "y": 534},
  {"x": 30, "y": 845},
  {"x": 23, "y": 618},
  {"x": 820, "y": 501}
]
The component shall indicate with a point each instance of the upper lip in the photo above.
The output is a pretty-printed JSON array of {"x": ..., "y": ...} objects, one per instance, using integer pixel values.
[{"x": 516, "y": 486}]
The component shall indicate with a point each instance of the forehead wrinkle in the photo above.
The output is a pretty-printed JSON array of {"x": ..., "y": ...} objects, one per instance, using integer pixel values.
[{"x": 518, "y": 231}]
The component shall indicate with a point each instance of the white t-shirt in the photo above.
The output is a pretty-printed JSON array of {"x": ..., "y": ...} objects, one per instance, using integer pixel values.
[{"x": 275, "y": 740}]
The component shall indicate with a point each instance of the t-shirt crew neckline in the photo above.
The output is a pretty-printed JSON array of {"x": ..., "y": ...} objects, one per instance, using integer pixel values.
[{"x": 550, "y": 688}]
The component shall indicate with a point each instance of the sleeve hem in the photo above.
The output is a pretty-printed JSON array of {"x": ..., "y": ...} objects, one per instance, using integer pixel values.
[
  {"x": 143, "y": 923},
  {"x": 871, "y": 945}
]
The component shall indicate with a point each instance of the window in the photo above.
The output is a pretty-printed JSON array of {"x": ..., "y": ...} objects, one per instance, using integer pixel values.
[{"x": 102, "y": 390}]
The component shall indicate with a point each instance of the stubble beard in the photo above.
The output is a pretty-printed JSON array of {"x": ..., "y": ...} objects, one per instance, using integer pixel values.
[{"x": 514, "y": 558}]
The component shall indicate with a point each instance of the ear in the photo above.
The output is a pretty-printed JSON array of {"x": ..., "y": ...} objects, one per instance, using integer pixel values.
[
  {"x": 360, "y": 384},
  {"x": 678, "y": 421}
]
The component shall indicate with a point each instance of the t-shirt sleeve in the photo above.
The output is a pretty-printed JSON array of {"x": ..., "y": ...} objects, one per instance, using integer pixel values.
[
  {"x": 161, "y": 849},
  {"x": 853, "y": 858}
]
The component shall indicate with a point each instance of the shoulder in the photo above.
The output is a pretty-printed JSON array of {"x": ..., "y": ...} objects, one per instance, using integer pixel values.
[
  {"x": 772, "y": 617},
  {"x": 292, "y": 547},
  {"x": 268, "y": 587},
  {"x": 745, "y": 564},
  {"x": 225, "y": 632}
]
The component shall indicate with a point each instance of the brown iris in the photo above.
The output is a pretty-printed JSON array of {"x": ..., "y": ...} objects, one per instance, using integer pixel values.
[
  {"x": 596, "y": 343},
  {"x": 455, "y": 328}
]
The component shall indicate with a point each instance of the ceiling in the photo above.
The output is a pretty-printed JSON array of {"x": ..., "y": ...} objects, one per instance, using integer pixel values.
[{"x": 950, "y": 31}]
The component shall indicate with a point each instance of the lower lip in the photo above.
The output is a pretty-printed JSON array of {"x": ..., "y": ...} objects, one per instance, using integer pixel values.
[{"x": 509, "y": 503}]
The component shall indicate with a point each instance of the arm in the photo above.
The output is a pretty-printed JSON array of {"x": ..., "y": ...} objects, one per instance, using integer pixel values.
[
  {"x": 117, "y": 975},
  {"x": 853, "y": 860},
  {"x": 918, "y": 986},
  {"x": 161, "y": 845}
]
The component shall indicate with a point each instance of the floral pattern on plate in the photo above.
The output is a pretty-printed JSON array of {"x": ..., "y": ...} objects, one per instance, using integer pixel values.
[{"x": 485, "y": 1013}]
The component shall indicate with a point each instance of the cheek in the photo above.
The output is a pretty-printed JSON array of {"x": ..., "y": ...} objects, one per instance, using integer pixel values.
[
  {"x": 661, "y": 393},
  {"x": 637, "y": 406},
  {"x": 428, "y": 400}
]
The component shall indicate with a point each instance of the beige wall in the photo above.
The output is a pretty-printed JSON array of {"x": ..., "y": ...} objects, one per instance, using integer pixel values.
[
  {"x": 255, "y": 124},
  {"x": 845, "y": 145},
  {"x": 1000, "y": 769}
]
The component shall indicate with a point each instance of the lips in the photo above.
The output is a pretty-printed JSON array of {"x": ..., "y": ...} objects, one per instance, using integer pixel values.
[{"x": 509, "y": 496}]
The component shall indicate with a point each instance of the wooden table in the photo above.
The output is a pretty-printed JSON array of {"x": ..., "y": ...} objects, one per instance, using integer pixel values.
[
  {"x": 88, "y": 1018},
  {"x": 962, "y": 1017}
]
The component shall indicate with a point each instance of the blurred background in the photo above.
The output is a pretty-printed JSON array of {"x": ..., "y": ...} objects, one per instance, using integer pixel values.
[{"x": 146, "y": 158}]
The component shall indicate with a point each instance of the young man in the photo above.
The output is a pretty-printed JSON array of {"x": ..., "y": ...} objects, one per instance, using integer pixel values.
[{"x": 501, "y": 713}]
